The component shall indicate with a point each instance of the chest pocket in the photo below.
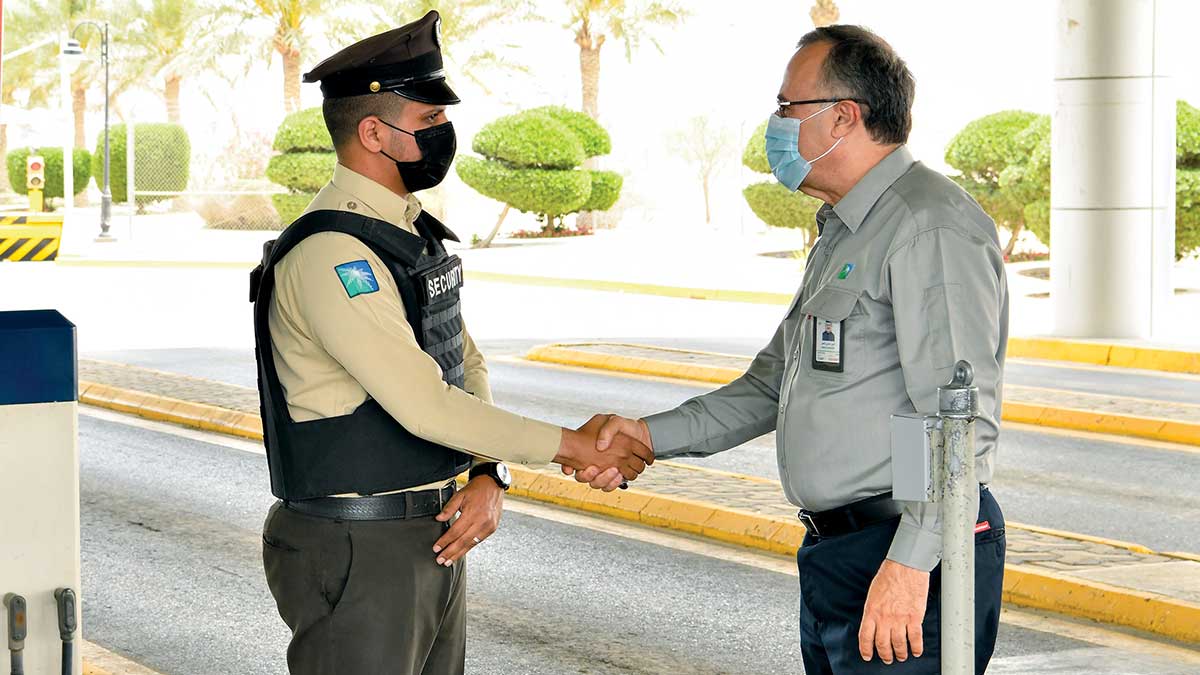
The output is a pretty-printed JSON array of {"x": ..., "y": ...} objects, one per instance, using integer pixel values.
[{"x": 837, "y": 306}]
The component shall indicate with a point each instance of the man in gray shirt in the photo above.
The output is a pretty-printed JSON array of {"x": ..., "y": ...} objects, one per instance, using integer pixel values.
[{"x": 906, "y": 278}]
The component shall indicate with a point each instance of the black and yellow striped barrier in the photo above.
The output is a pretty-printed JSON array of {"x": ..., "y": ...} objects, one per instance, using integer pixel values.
[{"x": 30, "y": 237}]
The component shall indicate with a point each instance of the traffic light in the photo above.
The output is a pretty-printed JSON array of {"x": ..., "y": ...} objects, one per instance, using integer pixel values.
[
  {"x": 35, "y": 173},
  {"x": 35, "y": 181}
]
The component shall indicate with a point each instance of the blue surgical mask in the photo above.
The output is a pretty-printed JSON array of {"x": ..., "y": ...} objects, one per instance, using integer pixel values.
[{"x": 783, "y": 149}]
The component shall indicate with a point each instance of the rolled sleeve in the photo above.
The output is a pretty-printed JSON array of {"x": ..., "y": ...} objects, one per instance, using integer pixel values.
[
  {"x": 370, "y": 337},
  {"x": 738, "y": 412},
  {"x": 948, "y": 293}
]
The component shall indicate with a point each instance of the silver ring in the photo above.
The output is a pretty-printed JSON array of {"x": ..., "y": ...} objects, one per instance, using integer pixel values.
[{"x": 476, "y": 540}]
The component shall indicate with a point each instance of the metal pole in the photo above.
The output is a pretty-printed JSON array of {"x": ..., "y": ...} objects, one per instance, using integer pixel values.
[
  {"x": 958, "y": 405},
  {"x": 69, "y": 137},
  {"x": 106, "y": 196}
]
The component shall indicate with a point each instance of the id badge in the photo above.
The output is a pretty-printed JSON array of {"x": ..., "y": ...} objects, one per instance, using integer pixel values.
[{"x": 829, "y": 351}]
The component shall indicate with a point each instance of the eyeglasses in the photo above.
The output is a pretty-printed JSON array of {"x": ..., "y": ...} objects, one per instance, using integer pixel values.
[{"x": 784, "y": 105}]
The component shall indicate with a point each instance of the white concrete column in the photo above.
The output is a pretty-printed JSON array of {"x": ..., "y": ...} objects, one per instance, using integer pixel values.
[
  {"x": 68, "y": 130},
  {"x": 1112, "y": 218}
]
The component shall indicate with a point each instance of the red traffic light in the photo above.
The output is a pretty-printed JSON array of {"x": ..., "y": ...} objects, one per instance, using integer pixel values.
[{"x": 35, "y": 166}]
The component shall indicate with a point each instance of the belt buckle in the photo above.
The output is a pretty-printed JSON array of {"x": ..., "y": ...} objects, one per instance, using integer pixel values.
[{"x": 811, "y": 525}]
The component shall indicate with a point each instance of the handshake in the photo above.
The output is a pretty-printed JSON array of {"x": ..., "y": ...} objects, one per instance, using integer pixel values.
[{"x": 606, "y": 452}]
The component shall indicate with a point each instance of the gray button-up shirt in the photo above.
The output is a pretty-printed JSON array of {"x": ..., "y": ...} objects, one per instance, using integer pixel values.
[{"x": 908, "y": 271}]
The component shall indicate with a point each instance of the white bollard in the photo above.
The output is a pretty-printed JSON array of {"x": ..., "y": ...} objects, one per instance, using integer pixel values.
[
  {"x": 39, "y": 480},
  {"x": 958, "y": 405}
]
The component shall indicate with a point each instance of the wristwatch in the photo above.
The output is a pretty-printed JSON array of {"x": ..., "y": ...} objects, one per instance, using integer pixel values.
[{"x": 497, "y": 471}]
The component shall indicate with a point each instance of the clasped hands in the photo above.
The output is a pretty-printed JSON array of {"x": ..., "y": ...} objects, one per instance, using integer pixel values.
[{"x": 613, "y": 450}]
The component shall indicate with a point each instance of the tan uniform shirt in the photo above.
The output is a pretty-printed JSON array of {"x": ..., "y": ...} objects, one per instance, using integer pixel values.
[{"x": 333, "y": 351}]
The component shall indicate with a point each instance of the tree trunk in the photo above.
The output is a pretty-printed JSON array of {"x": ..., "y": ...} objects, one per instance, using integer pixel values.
[
  {"x": 495, "y": 230},
  {"x": 79, "y": 104},
  {"x": 824, "y": 13},
  {"x": 707, "y": 211},
  {"x": 5, "y": 185},
  {"x": 589, "y": 68},
  {"x": 291, "y": 80},
  {"x": 1012, "y": 241},
  {"x": 171, "y": 96}
]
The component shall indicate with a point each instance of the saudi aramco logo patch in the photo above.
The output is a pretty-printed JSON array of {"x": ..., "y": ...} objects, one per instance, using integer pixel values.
[{"x": 357, "y": 277}]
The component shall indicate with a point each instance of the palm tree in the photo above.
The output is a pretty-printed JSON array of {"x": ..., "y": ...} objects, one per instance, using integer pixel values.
[
  {"x": 29, "y": 79},
  {"x": 631, "y": 22},
  {"x": 824, "y": 13},
  {"x": 288, "y": 37},
  {"x": 171, "y": 39}
]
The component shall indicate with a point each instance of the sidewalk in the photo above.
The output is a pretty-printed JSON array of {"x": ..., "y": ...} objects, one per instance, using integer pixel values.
[{"x": 1112, "y": 582}]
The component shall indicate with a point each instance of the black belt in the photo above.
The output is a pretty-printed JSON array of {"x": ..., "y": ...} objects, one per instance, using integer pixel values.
[
  {"x": 398, "y": 506},
  {"x": 851, "y": 517}
]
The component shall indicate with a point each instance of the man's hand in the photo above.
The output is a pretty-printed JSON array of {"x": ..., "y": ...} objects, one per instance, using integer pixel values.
[
  {"x": 479, "y": 504},
  {"x": 891, "y": 623},
  {"x": 624, "y": 457},
  {"x": 610, "y": 427}
]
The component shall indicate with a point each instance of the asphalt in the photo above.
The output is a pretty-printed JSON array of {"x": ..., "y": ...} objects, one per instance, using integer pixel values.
[
  {"x": 172, "y": 578},
  {"x": 1115, "y": 489}
]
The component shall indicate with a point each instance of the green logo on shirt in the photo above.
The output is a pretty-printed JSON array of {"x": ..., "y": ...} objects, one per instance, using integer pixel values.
[
  {"x": 846, "y": 271},
  {"x": 357, "y": 277}
]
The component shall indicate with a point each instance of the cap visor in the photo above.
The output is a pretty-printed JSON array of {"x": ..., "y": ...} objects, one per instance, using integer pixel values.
[{"x": 435, "y": 92}]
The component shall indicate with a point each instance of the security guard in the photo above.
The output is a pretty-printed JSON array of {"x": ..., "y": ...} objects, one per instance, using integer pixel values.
[
  {"x": 373, "y": 395},
  {"x": 906, "y": 278}
]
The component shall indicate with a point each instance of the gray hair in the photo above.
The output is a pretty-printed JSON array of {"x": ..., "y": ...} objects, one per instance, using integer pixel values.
[
  {"x": 861, "y": 65},
  {"x": 342, "y": 115}
]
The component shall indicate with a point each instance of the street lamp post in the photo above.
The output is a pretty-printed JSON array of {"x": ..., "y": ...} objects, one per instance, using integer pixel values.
[{"x": 106, "y": 195}]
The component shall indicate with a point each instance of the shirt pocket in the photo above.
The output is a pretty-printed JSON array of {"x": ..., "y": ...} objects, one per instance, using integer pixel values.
[{"x": 838, "y": 305}]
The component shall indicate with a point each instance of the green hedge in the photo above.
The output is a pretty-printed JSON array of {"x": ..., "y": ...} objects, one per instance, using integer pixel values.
[
  {"x": 1187, "y": 135},
  {"x": 606, "y": 189},
  {"x": 291, "y": 205},
  {"x": 544, "y": 191},
  {"x": 531, "y": 141},
  {"x": 1187, "y": 212},
  {"x": 754, "y": 157},
  {"x": 82, "y": 166},
  {"x": 163, "y": 157},
  {"x": 595, "y": 139},
  {"x": 303, "y": 131},
  {"x": 302, "y": 171},
  {"x": 778, "y": 207}
]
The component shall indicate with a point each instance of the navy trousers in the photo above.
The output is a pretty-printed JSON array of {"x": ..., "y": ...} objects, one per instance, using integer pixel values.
[{"x": 836, "y": 573}]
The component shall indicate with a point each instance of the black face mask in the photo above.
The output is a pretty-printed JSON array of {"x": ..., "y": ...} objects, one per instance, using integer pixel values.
[{"x": 437, "y": 145}]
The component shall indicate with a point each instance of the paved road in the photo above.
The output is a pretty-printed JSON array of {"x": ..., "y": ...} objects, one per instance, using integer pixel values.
[
  {"x": 172, "y": 578},
  {"x": 1122, "y": 490}
]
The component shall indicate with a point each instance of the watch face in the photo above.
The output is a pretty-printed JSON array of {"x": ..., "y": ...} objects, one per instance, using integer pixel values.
[{"x": 504, "y": 474}]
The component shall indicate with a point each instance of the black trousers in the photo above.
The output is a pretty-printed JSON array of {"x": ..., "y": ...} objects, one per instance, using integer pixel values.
[
  {"x": 836, "y": 573},
  {"x": 365, "y": 597}
]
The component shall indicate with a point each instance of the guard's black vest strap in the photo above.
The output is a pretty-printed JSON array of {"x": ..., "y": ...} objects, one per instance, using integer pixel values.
[{"x": 367, "y": 451}]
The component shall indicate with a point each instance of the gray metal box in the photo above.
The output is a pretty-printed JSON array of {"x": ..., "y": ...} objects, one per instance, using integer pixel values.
[{"x": 915, "y": 438}]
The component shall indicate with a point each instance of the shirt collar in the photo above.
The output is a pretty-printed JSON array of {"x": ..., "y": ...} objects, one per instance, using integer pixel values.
[
  {"x": 854, "y": 207},
  {"x": 393, "y": 208}
]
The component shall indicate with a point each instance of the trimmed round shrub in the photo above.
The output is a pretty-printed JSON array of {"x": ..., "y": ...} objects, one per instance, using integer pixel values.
[
  {"x": 544, "y": 191},
  {"x": 1187, "y": 212},
  {"x": 530, "y": 140},
  {"x": 606, "y": 189},
  {"x": 162, "y": 160},
  {"x": 289, "y": 206},
  {"x": 754, "y": 157},
  {"x": 595, "y": 139},
  {"x": 1187, "y": 135},
  {"x": 302, "y": 171},
  {"x": 82, "y": 166},
  {"x": 777, "y": 207},
  {"x": 303, "y": 131}
]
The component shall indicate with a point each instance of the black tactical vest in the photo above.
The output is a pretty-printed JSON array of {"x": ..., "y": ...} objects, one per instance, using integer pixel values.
[{"x": 367, "y": 451}]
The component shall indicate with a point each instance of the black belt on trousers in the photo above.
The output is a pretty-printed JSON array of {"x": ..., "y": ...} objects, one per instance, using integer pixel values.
[
  {"x": 851, "y": 517},
  {"x": 398, "y": 506}
]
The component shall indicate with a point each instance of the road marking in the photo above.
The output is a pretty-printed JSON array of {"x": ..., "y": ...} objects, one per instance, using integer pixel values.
[
  {"x": 99, "y": 661},
  {"x": 1107, "y": 370},
  {"x": 224, "y": 440},
  {"x": 1097, "y": 634}
]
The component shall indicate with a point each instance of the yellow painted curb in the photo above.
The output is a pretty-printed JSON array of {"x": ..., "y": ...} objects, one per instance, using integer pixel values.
[
  {"x": 1024, "y": 586},
  {"x": 1097, "y": 353},
  {"x": 1150, "y": 612},
  {"x": 1172, "y": 431},
  {"x": 755, "y": 297}
]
